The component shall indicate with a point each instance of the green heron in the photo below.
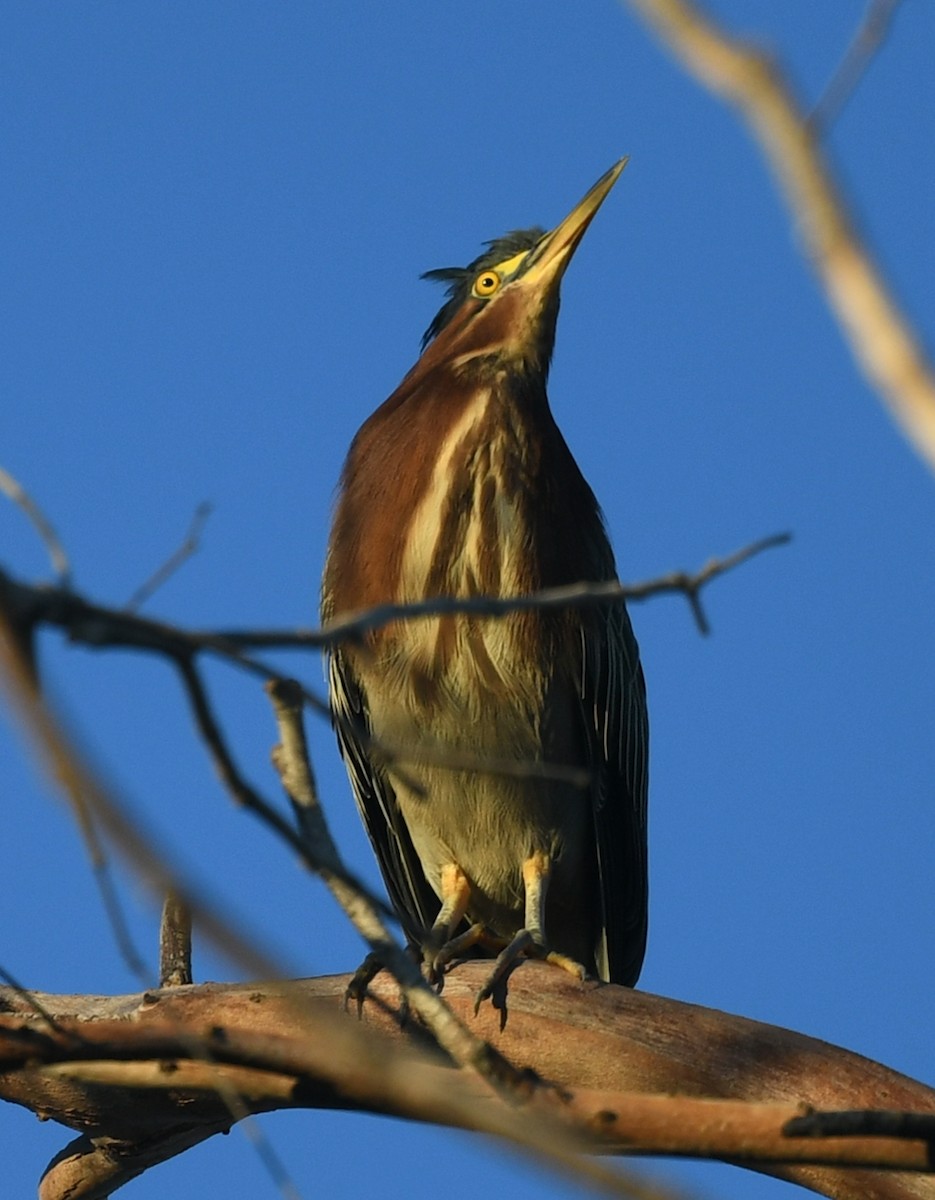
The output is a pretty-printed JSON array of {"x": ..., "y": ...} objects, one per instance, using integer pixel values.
[{"x": 461, "y": 485}]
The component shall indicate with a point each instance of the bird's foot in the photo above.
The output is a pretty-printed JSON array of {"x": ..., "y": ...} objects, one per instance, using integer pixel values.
[
  {"x": 438, "y": 954},
  {"x": 524, "y": 945},
  {"x": 365, "y": 974},
  {"x": 356, "y": 990}
]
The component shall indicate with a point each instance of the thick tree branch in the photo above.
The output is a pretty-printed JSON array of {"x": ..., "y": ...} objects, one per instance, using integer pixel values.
[{"x": 618, "y": 1058}]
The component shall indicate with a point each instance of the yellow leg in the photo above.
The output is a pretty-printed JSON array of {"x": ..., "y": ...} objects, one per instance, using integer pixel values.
[
  {"x": 531, "y": 941},
  {"x": 456, "y": 894},
  {"x": 536, "y": 871}
]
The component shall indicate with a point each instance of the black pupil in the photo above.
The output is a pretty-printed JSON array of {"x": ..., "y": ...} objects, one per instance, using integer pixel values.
[{"x": 487, "y": 281}]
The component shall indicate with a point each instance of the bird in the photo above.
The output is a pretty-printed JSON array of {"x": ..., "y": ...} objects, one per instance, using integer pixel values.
[{"x": 499, "y": 762}]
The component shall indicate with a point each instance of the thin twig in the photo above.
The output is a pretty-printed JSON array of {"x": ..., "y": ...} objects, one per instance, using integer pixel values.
[
  {"x": 107, "y": 890},
  {"x": 575, "y": 595},
  {"x": 33, "y": 1002},
  {"x": 865, "y": 43},
  {"x": 880, "y": 336},
  {"x": 242, "y": 792},
  {"x": 175, "y": 942},
  {"x": 18, "y": 628},
  {"x": 141, "y": 849},
  {"x": 15, "y": 491},
  {"x": 291, "y": 760},
  {"x": 97, "y": 626},
  {"x": 188, "y": 547},
  {"x": 424, "y": 753},
  {"x": 116, "y": 918}
]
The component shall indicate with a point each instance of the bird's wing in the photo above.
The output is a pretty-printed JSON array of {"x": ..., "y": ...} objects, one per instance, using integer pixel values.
[
  {"x": 411, "y": 896},
  {"x": 613, "y": 696}
]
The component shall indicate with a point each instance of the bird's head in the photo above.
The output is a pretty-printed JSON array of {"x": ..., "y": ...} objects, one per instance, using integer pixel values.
[{"x": 502, "y": 307}]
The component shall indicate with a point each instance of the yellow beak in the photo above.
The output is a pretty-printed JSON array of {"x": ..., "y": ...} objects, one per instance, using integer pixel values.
[{"x": 547, "y": 262}]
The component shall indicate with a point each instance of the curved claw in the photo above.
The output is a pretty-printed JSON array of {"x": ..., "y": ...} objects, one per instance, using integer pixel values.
[
  {"x": 365, "y": 974},
  {"x": 524, "y": 945},
  {"x": 521, "y": 945}
]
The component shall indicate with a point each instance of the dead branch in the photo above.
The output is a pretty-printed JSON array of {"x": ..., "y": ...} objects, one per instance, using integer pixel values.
[
  {"x": 107, "y": 1164},
  {"x": 880, "y": 336},
  {"x": 176, "y": 559},
  {"x": 100, "y": 627},
  {"x": 867, "y": 40},
  {"x": 575, "y": 595},
  {"x": 633, "y": 1073},
  {"x": 175, "y": 942},
  {"x": 14, "y": 490},
  {"x": 291, "y": 760}
]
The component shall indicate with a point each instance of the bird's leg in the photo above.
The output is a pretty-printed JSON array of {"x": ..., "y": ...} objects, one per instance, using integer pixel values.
[
  {"x": 529, "y": 941},
  {"x": 456, "y": 893}
]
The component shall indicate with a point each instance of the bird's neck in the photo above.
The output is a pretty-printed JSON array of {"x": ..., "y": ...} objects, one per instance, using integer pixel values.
[{"x": 459, "y": 499}]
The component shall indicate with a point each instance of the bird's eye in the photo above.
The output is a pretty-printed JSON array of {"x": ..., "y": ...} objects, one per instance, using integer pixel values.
[{"x": 486, "y": 283}]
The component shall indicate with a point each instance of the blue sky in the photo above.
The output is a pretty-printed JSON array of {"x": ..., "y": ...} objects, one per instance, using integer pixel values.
[{"x": 213, "y": 218}]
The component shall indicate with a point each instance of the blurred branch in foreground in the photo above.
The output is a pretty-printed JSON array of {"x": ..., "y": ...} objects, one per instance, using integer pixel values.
[
  {"x": 92, "y": 1170},
  {"x": 880, "y": 335}
]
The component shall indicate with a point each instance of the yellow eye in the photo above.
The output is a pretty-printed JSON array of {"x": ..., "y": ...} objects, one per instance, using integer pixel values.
[{"x": 486, "y": 283}]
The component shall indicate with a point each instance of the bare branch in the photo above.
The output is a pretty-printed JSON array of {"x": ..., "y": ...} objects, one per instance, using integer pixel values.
[
  {"x": 97, "y": 626},
  {"x": 175, "y": 560},
  {"x": 616, "y": 1057},
  {"x": 546, "y": 1140},
  {"x": 575, "y": 595},
  {"x": 175, "y": 942},
  {"x": 291, "y": 760},
  {"x": 15, "y": 491},
  {"x": 880, "y": 336},
  {"x": 83, "y": 789},
  {"x": 243, "y": 793},
  {"x": 857, "y": 57}
]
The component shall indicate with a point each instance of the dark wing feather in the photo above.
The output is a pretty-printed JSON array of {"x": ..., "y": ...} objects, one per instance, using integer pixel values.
[
  {"x": 613, "y": 696},
  {"x": 411, "y": 896}
]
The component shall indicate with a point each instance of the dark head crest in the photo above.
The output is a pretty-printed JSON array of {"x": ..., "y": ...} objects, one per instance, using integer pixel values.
[{"x": 461, "y": 279}]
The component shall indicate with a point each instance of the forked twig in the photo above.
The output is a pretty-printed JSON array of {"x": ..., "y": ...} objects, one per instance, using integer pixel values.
[
  {"x": 243, "y": 793},
  {"x": 290, "y": 758},
  {"x": 15, "y": 491},
  {"x": 574, "y": 595},
  {"x": 188, "y": 547}
]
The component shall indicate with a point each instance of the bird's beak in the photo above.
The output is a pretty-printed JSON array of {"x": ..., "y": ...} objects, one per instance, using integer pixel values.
[{"x": 548, "y": 260}]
